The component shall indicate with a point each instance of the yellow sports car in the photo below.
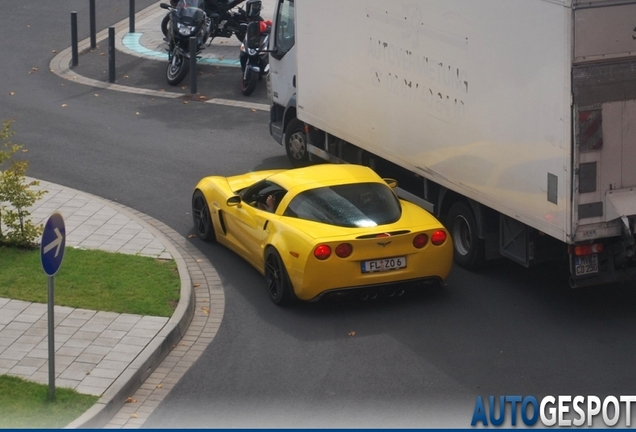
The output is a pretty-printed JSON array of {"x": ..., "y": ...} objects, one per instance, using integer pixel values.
[{"x": 322, "y": 229}]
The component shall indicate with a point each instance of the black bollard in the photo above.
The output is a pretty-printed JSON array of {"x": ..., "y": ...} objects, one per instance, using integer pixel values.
[
  {"x": 111, "y": 54},
  {"x": 131, "y": 17},
  {"x": 75, "y": 54},
  {"x": 92, "y": 24},
  {"x": 193, "y": 65}
]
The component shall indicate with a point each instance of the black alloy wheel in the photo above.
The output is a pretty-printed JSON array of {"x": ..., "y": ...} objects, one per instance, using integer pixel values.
[
  {"x": 279, "y": 287},
  {"x": 201, "y": 217}
]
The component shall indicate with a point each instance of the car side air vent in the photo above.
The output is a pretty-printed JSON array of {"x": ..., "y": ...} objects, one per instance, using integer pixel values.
[{"x": 383, "y": 234}]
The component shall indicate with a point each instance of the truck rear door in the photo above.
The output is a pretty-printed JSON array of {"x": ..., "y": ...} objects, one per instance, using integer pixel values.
[{"x": 604, "y": 95}]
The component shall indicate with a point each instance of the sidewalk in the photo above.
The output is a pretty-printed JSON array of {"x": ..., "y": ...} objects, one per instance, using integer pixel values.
[{"x": 103, "y": 353}]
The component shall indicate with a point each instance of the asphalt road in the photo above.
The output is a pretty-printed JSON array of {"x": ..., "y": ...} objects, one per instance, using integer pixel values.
[{"x": 415, "y": 362}]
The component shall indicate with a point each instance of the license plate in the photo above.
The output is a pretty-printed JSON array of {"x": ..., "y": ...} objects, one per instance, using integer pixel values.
[
  {"x": 383, "y": 264},
  {"x": 587, "y": 264}
]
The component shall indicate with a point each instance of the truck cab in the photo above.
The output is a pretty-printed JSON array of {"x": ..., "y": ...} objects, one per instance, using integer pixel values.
[{"x": 282, "y": 69}]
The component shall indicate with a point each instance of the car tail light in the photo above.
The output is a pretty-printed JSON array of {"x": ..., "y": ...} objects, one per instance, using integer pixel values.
[
  {"x": 322, "y": 252},
  {"x": 438, "y": 237},
  {"x": 343, "y": 250},
  {"x": 589, "y": 249},
  {"x": 420, "y": 241}
]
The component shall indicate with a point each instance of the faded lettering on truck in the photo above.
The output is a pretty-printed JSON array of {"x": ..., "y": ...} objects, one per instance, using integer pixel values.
[{"x": 441, "y": 88}]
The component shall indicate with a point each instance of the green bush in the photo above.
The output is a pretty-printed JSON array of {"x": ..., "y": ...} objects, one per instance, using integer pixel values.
[{"x": 16, "y": 195}]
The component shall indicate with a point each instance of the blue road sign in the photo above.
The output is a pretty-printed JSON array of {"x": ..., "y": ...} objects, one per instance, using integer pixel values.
[{"x": 53, "y": 242}]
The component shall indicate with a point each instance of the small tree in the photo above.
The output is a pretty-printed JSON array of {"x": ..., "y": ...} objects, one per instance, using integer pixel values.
[{"x": 15, "y": 195}]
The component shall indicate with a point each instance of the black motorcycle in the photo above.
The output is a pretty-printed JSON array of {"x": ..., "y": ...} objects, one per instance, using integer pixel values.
[
  {"x": 225, "y": 21},
  {"x": 254, "y": 56},
  {"x": 187, "y": 20}
]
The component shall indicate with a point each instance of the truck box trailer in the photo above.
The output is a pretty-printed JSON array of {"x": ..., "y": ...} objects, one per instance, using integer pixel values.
[{"x": 513, "y": 121}]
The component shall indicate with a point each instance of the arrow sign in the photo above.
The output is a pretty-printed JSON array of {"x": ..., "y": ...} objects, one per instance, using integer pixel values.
[
  {"x": 55, "y": 243},
  {"x": 52, "y": 245}
]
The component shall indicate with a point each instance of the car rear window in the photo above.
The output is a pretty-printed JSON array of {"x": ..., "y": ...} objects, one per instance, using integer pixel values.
[{"x": 350, "y": 205}]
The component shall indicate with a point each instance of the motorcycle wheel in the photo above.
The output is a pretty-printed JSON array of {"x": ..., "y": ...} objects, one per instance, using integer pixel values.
[
  {"x": 177, "y": 68},
  {"x": 248, "y": 81},
  {"x": 164, "y": 24}
]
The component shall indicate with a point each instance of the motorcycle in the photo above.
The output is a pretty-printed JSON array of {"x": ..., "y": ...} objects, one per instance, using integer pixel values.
[
  {"x": 225, "y": 21},
  {"x": 187, "y": 19},
  {"x": 254, "y": 56}
]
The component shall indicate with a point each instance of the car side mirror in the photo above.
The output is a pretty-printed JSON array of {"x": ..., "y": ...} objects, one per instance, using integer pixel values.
[
  {"x": 391, "y": 182},
  {"x": 233, "y": 201}
]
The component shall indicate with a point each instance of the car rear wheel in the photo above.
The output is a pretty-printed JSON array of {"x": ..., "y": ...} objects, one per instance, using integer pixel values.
[
  {"x": 278, "y": 284},
  {"x": 201, "y": 217}
]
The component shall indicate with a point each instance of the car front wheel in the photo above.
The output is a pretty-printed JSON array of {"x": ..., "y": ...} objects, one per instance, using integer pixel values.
[{"x": 201, "y": 217}]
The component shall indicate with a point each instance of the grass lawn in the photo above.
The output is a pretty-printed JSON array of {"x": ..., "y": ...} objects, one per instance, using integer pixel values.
[
  {"x": 94, "y": 279},
  {"x": 25, "y": 404},
  {"x": 87, "y": 279}
]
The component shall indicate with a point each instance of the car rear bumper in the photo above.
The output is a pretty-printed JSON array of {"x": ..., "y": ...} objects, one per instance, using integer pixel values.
[
  {"x": 319, "y": 277},
  {"x": 387, "y": 290}
]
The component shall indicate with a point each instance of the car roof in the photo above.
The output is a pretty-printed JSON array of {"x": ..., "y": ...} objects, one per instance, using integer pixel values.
[{"x": 324, "y": 175}]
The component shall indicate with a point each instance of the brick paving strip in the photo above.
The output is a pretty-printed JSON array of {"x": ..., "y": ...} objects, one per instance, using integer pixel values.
[{"x": 210, "y": 303}]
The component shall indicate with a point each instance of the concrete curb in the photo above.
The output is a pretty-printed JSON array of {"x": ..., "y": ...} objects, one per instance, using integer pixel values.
[{"x": 152, "y": 355}]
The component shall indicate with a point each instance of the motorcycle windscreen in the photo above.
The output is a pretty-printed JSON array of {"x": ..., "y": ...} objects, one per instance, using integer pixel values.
[
  {"x": 190, "y": 15},
  {"x": 199, "y": 4},
  {"x": 253, "y": 35}
]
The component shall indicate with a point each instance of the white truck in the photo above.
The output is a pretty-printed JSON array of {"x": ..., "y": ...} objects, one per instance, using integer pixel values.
[{"x": 512, "y": 121}]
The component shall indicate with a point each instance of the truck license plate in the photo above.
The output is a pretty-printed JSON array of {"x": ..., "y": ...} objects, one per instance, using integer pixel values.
[
  {"x": 383, "y": 264},
  {"x": 587, "y": 264}
]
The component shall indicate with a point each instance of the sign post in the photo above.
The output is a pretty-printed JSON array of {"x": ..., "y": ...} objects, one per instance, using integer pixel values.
[{"x": 51, "y": 254}]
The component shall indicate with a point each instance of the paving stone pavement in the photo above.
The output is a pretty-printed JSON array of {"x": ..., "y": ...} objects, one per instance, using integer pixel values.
[{"x": 92, "y": 348}]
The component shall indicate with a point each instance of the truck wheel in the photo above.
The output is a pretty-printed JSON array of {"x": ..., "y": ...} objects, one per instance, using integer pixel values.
[
  {"x": 296, "y": 143},
  {"x": 469, "y": 250}
]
